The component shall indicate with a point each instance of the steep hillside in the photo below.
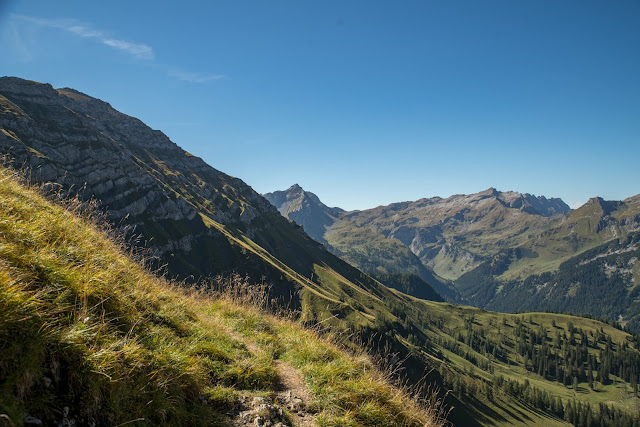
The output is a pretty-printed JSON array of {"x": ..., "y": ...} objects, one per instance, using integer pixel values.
[
  {"x": 88, "y": 337},
  {"x": 86, "y": 146},
  {"x": 602, "y": 281},
  {"x": 596, "y": 222},
  {"x": 199, "y": 221},
  {"x": 584, "y": 263}
]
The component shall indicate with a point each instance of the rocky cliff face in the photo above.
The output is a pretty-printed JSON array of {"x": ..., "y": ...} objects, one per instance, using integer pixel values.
[
  {"x": 80, "y": 140},
  {"x": 140, "y": 177},
  {"x": 455, "y": 234},
  {"x": 451, "y": 235},
  {"x": 535, "y": 205}
]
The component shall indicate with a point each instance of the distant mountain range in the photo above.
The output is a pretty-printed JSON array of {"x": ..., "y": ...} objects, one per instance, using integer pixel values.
[
  {"x": 490, "y": 249},
  {"x": 388, "y": 259}
]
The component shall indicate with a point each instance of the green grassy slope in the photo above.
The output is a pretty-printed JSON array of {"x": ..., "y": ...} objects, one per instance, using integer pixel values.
[
  {"x": 89, "y": 336},
  {"x": 585, "y": 263},
  {"x": 540, "y": 359},
  {"x": 380, "y": 256},
  {"x": 596, "y": 222}
]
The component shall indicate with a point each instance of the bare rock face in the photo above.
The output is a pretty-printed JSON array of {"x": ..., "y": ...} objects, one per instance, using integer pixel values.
[
  {"x": 305, "y": 209},
  {"x": 139, "y": 176}
]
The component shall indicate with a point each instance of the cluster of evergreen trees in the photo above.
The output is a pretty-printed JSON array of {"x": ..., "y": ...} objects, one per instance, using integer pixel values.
[
  {"x": 576, "y": 412},
  {"x": 568, "y": 355},
  {"x": 605, "y": 289},
  {"x": 582, "y": 359},
  {"x": 575, "y": 356}
]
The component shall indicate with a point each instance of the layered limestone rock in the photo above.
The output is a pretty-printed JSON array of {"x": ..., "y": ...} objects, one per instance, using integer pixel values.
[{"x": 137, "y": 174}]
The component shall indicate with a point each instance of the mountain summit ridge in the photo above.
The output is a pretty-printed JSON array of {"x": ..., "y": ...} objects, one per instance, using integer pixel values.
[{"x": 425, "y": 225}]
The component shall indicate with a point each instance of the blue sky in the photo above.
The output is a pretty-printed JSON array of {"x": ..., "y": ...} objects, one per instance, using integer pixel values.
[{"x": 362, "y": 102}]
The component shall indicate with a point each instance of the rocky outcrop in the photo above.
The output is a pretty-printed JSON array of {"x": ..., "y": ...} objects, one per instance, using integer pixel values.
[
  {"x": 535, "y": 205},
  {"x": 139, "y": 176},
  {"x": 84, "y": 142}
]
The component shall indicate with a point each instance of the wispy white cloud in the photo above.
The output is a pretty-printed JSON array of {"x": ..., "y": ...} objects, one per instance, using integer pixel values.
[
  {"x": 187, "y": 76},
  {"x": 137, "y": 50},
  {"x": 86, "y": 31}
]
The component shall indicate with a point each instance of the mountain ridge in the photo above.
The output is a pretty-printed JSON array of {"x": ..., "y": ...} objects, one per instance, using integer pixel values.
[
  {"x": 425, "y": 234},
  {"x": 498, "y": 245},
  {"x": 200, "y": 222}
]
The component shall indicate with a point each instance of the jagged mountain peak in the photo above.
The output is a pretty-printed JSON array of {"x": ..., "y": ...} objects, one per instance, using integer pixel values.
[
  {"x": 295, "y": 198},
  {"x": 633, "y": 199},
  {"x": 600, "y": 206},
  {"x": 535, "y": 205},
  {"x": 330, "y": 227},
  {"x": 529, "y": 203},
  {"x": 491, "y": 191},
  {"x": 305, "y": 209},
  {"x": 596, "y": 199}
]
